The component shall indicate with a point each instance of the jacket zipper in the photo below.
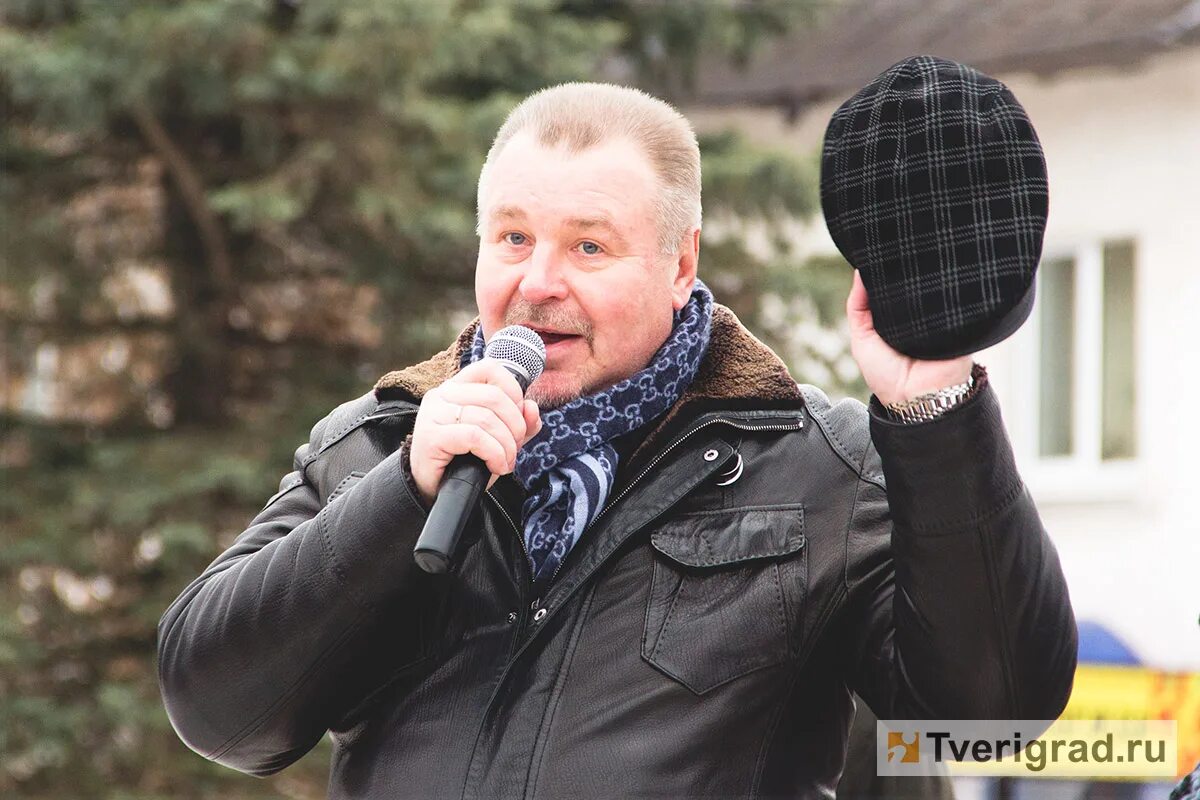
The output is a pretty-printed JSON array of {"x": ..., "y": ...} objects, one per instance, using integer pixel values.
[
  {"x": 526, "y": 571},
  {"x": 513, "y": 525}
]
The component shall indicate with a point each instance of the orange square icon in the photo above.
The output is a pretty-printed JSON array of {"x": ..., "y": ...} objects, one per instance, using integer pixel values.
[{"x": 906, "y": 752}]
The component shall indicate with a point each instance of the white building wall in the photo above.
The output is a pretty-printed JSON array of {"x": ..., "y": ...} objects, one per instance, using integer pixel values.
[{"x": 1123, "y": 152}]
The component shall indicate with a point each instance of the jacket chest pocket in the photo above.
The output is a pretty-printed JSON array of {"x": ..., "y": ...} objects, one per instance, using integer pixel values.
[{"x": 727, "y": 586}]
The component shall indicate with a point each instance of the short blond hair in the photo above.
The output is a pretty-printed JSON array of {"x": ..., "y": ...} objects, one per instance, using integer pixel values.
[{"x": 581, "y": 115}]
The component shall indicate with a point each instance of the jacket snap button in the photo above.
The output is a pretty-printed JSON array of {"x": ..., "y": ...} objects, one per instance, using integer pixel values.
[
  {"x": 512, "y": 616},
  {"x": 711, "y": 455},
  {"x": 541, "y": 612},
  {"x": 733, "y": 474}
]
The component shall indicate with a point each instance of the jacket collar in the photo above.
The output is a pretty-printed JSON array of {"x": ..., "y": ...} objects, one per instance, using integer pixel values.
[
  {"x": 738, "y": 372},
  {"x": 736, "y": 368}
]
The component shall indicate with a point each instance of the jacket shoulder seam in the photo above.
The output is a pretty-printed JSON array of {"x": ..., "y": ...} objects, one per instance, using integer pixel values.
[
  {"x": 345, "y": 418},
  {"x": 287, "y": 487},
  {"x": 811, "y": 402}
]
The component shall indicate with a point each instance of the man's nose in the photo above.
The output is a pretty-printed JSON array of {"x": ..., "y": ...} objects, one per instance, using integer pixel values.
[{"x": 543, "y": 279}]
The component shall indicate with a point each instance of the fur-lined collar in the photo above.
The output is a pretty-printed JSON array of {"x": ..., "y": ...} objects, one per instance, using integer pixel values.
[{"x": 738, "y": 372}]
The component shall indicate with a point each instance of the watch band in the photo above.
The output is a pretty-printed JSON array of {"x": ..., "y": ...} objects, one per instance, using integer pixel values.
[{"x": 933, "y": 404}]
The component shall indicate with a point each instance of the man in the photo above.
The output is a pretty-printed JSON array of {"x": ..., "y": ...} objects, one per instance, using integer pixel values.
[{"x": 686, "y": 563}]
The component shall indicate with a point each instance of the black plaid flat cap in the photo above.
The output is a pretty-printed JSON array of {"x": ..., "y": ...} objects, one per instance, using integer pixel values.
[{"x": 933, "y": 185}]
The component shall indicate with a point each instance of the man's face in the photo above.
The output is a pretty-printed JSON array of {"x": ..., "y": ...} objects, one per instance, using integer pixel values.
[{"x": 570, "y": 249}]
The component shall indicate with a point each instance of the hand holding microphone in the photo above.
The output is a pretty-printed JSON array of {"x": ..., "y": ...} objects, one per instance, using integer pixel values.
[{"x": 468, "y": 432}]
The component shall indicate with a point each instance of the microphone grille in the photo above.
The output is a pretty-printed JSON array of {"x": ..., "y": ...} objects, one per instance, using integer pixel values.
[{"x": 520, "y": 348}]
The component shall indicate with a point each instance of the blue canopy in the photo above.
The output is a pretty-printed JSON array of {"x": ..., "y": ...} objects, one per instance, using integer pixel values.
[{"x": 1099, "y": 645}]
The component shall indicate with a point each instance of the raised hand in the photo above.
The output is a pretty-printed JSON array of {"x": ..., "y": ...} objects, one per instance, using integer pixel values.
[{"x": 891, "y": 375}]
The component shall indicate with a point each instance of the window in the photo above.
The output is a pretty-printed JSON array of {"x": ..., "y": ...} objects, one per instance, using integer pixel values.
[
  {"x": 1086, "y": 353},
  {"x": 1118, "y": 436},
  {"x": 1056, "y": 368}
]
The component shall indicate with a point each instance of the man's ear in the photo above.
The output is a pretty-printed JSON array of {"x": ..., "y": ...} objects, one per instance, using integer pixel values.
[{"x": 683, "y": 269}]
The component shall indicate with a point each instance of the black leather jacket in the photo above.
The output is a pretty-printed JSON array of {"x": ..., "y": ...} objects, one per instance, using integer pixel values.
[{"x": 701, "y": 639}]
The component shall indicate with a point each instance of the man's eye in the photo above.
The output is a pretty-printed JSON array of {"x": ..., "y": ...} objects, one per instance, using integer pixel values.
[
  {"x": 590, "y": 248},
  {"x": 514, "y": 238}
]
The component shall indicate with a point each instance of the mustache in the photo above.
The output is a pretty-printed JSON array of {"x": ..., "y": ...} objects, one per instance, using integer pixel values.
[{"x": 555, "y": 317}]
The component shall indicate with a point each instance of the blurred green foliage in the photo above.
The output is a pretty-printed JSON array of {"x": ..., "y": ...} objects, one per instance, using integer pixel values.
[{"x": 270, "y": 158}]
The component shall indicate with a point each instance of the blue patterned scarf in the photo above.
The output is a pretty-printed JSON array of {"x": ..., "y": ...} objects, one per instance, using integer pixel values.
[{"x": 568, "y": 469}]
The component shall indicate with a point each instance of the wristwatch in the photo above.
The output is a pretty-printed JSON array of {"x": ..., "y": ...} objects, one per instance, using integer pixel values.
[{"x": 933, "y": 404}]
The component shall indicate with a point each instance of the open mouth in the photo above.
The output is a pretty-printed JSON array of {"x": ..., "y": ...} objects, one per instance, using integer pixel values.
[{"x": 549, "y": 338}]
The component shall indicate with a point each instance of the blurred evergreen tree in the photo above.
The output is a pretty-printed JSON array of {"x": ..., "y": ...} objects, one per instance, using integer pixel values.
[{"x": 220, "y": 219}]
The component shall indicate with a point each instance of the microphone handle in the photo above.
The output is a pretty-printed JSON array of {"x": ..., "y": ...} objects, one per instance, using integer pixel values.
[{"x": 463, "y": 482}]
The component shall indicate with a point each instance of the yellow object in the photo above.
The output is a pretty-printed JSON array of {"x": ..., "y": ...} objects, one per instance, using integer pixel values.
[
  {"x": 1110, "y": 693},
  {"x": 1107, "y": 702}
]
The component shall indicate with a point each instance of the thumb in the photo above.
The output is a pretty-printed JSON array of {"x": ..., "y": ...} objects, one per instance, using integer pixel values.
[
  {"x": 858, "y": 311},
  {"x": 533, "y": 419}
]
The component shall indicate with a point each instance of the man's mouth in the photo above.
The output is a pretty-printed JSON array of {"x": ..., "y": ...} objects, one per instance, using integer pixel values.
[{"x": 554, "y": 337}]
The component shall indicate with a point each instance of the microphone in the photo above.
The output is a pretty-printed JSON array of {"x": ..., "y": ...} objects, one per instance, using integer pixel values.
[{"x": 523, "y": 354}]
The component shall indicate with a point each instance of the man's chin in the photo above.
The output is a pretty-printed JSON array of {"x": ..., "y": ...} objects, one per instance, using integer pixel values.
[{"x": 550, "y": 392}]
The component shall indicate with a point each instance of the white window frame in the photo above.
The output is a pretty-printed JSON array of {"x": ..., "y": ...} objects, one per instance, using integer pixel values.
[{"x": 1082, "y": 477}]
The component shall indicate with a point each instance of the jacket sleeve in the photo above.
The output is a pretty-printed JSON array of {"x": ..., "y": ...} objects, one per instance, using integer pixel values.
[
  {"x": 253, "y": 656},
  {"x": 961, "y": 607}
]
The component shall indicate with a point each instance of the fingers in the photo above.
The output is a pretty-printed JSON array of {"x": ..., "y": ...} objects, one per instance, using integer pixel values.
[
  {"x": 480, "y": 404},
  {"x": 857, "y": 300},
  {"x": 451, "y": 412},
  {"x": 490, "y": 371},
  {"x": 533, "y": 420},
  {"x": 480, "y": 410},
  {"x": 498, "y": 452}
]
